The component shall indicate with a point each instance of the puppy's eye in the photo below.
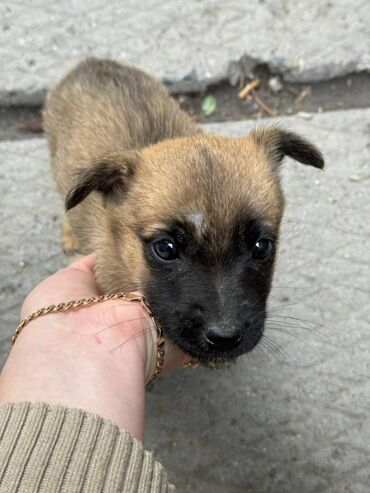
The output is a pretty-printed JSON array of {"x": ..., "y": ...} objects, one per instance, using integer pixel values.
[
  {"x": 165, "y": 249},
  {"x": 262, "y": 249}
]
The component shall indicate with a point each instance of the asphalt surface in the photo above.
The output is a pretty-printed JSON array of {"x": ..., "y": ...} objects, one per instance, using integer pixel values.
[
  {"x": 300, "y": 39},
  {"x": 279, "y": 422}
]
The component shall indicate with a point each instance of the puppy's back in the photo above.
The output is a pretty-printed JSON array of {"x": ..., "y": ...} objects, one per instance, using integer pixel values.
[{"x": 101, "y": 106}]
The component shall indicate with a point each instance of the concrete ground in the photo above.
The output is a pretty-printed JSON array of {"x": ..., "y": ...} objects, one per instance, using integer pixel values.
[
  {"x": 297, "y": 421},
  {"x": 301, "y": 39}
]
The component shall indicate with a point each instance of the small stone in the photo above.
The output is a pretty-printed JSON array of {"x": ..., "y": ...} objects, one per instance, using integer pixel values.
[
  {"x": 301, "y": 65},
  {"x": 305, "y": 115},
  {"x": 275, "y": 84},
  {"x": 354, "y": 178}
]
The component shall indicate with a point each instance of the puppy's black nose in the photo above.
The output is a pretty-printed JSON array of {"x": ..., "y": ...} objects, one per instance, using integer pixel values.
[{"x": 222, "y": 335}]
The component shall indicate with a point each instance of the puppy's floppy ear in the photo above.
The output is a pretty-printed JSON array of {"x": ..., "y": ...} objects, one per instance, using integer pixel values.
[
  {"x": 110, "y": 175},
  {"x": 279, "y": 143}
]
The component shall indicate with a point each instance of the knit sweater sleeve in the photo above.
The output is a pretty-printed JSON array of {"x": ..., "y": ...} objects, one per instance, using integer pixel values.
[{"x": 56, "y": 449}]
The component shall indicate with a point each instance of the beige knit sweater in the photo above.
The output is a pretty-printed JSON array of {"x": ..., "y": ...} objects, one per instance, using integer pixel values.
[{"x": 54, "y": 449}]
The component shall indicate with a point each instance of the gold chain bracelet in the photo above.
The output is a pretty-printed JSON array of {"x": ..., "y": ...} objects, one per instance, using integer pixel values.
[{"x": 61, "y": 307}]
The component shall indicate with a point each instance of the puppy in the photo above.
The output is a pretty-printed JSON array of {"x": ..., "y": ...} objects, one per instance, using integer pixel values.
[{"x": 189, "y": 219}]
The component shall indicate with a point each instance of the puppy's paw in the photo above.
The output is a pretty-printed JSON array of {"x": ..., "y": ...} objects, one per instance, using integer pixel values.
[{"x": 69, "y": 241}]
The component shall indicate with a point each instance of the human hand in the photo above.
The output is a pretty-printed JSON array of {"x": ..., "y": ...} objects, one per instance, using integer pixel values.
[{"x": 97, "y": 358}]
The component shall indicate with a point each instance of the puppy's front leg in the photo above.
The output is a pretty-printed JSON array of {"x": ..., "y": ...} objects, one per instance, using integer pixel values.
[{"x": 68, "y": 240}]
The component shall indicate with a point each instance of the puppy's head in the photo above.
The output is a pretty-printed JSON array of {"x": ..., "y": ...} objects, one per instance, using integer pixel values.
[{"x": 194, "y": 224}]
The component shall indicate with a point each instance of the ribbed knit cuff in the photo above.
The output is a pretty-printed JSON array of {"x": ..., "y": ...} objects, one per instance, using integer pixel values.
[{"x": 55, "y": 449}]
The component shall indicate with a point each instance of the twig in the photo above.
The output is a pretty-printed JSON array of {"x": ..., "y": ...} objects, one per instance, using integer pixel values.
[
  {"x": 302, "y": 96},
  {"x": 263, "y": 105},
  {"x": 249, "y": 88}
]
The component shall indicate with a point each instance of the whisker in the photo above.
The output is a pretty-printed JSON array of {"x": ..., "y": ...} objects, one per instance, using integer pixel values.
[
  {"x": 290, "y": 202},
  {"x": 270, "y": 322},
  {"x": 249, "y": 301},
  {"x": 275, "y": 349},
  {"x": 134, "y": 336},
  {"x": 122, "y": 302},
  {"x": 122, "y": 322},
  {"x": 302, "y": 320},
  {"x": 282, "y": 307},
  {"x": 293, "y": 323},
  {"x": 292, "y": 287},
  {"x": 287, "y": 232},
  {"x": 285, "y": 330},
  {"x": 261, "y": 349}
]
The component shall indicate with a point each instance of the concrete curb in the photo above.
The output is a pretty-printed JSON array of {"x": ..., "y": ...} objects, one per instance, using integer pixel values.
[{"x": 196, "y": 41}]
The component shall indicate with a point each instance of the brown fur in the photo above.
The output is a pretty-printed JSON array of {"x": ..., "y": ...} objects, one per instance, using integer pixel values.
[{"x": 113, "y": 129}]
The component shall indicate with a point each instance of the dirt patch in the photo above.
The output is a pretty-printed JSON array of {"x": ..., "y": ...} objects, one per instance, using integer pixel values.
[
  {"x": 280, "y": 97},
  {"x": 272, "y": 96}
]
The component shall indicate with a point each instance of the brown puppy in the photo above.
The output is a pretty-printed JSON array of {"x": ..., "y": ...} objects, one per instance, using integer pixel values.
[{"x": 191, "y": 220}]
